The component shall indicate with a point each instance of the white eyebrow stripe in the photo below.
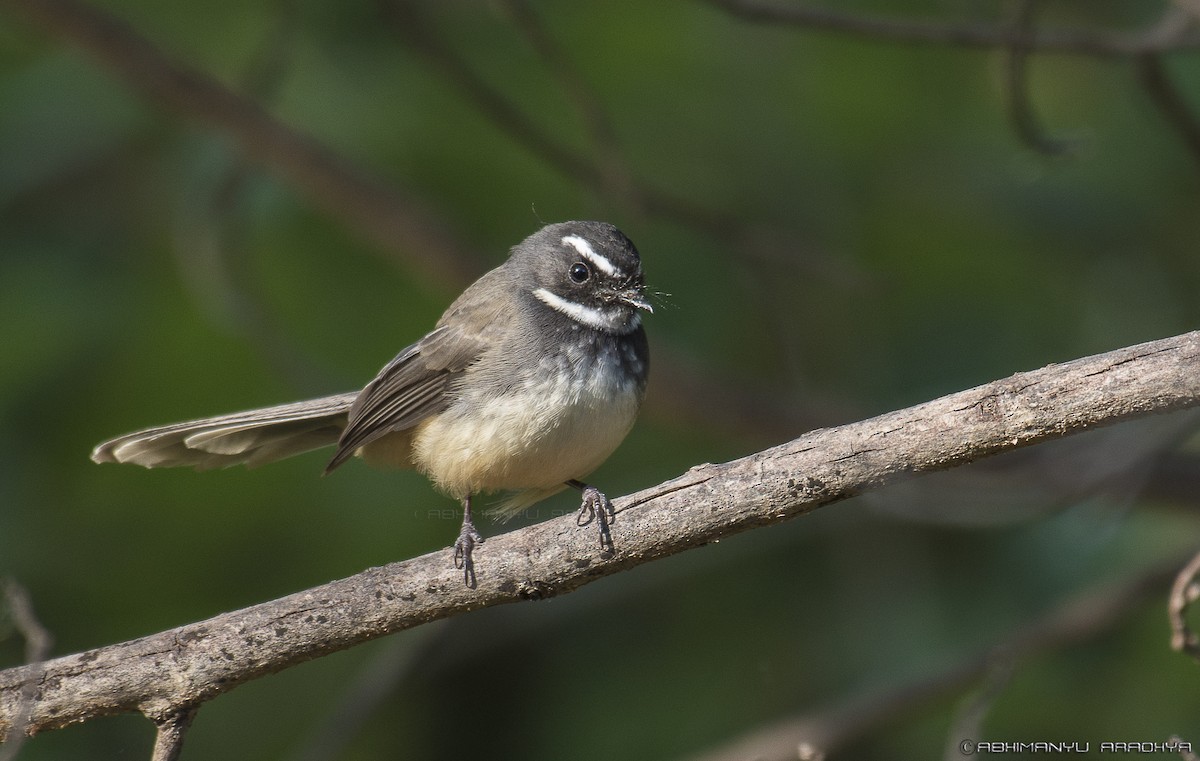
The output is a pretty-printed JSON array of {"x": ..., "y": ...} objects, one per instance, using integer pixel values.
[
  {"x": 587, "y": 252},
  {"x": 590, "y": 316}
]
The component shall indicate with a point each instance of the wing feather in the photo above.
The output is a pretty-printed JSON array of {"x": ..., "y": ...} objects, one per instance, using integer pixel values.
[{"x": 418, "y": 382}]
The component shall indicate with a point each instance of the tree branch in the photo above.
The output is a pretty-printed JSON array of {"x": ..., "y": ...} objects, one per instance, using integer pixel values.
[
  {"x": 164, "y": 673},
  {"x": 1170, "y": 33},
  {"x": 38, "y": 641},
  {"x": 168, "y": 743},
  {"x": 1184, "y": 592}
]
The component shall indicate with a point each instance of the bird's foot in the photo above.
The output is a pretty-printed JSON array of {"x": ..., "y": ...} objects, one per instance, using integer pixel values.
[
  {"x": 464, "y": 546},
  {"x": 599, "y": 508}
]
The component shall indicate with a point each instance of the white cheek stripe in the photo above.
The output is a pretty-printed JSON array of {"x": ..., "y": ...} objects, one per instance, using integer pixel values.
[
  {"x": 587, "y": 252},
  {"x": 590, "y": 316}
]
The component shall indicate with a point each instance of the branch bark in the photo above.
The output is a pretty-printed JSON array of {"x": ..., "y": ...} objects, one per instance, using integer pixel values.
[
  {"x": 168, "y": 744},
  {"x": 164, "y": 674}
]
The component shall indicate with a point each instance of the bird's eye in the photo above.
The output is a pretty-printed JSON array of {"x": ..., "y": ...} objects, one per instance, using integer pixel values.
[{"x": 579, "y": 272}]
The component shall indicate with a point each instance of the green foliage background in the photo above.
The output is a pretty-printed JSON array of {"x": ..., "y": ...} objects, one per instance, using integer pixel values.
[{"x": 893, "y": 241}]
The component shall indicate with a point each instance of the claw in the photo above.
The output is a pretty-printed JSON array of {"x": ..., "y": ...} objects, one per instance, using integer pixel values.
[
  {"x": 597, "y": 507},
  {"x": 464, "y": 546}
]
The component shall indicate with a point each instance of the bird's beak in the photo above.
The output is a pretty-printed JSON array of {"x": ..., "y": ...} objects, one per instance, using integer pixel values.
[{"x": 634, "y": 298}]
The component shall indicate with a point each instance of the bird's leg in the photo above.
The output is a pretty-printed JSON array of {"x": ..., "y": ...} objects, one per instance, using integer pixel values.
[
  {"x": 468, "y": 537},
  {"x": 595, "y": 507}
]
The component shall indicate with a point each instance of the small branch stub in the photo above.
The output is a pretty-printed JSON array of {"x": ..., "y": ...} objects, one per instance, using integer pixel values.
[
  {"x": 171, "y": 731},
  {"x": 1185, "y": 591}
]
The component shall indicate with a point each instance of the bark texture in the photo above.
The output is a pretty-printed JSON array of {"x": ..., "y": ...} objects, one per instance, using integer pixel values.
[{"x": 165, "y": 675}]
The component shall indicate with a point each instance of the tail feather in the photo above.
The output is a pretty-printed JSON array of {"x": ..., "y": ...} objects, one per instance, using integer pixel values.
[{"x": 253, "y": 437}]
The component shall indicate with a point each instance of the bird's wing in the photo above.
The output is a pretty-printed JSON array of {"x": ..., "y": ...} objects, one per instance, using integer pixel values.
[{"x": 414, "y": 385}]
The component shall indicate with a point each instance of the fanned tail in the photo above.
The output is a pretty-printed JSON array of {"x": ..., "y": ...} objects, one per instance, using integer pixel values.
[{"x": 253, "y": 437}]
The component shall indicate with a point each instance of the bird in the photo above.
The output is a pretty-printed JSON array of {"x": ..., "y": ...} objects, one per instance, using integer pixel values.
[{"x": 526, "y": 384}]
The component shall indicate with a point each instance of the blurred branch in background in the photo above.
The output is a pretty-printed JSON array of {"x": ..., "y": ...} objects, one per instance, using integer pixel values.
[
  {"x": 1176, "y": 30},
  {"x": 1163, "y": 92},
  {"x": 1124, "y": 464},
  {"x": 209, "y": 228},
  {"x": 1189, "y": 6},
  {"x": 1020, "y": 107},
  {"x": 392, "y": 218},
  {"x": 614, "y": 173},
  {"x": 967, "y": 721},
  {"x": 167, "y": 675},
  {"x": 1185, "y": 591},
  {"x": 606, "y": 174},
  {"x": 684, "y": 389},
  {"x": 18, "y": 609},
  {"x": 1172, "y": 32},
  {"x": 1184, "y": 754},
  {"x": 877, "y": 237},
  {"x": 1175, "y": 477},
  {"x": 377, "y": 681},
  {"x": 823, "y": 732},
  {"x": 410, "y": 231},
  {"x": 407, "y": 20}
]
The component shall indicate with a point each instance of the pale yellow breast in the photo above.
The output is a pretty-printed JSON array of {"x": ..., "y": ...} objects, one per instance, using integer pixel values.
[{"x": 525, "y": 441}]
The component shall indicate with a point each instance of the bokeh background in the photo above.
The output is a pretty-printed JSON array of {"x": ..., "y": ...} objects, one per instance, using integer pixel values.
[{"x": 841, "y": 224}]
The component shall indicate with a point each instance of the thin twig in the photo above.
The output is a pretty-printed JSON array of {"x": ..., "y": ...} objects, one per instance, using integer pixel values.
[
  {"x": 1166, "y": 35},
  {"x": 38, "y": 642},
  {"x": 166, "y": 672},
  {"x": 38, "y": 639},
  {"x": 1185, "y": 591}
]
